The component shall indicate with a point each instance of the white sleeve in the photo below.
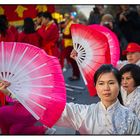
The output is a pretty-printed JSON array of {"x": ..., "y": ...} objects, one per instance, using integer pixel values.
[{"x": 73, "y": 116}]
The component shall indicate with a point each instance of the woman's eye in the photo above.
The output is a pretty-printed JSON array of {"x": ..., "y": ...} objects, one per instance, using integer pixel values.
[
  {"x": 100, "y": 83},
  {"x": 128, "y": 78},
  {"x": 111, "y": 83}
]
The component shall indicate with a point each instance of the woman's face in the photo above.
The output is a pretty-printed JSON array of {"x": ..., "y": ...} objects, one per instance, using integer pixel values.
[
  {"x": 38, "y": 20},
  {"x": 133, "y": 57},
  {"x": 107, "y": 87},
  {"x": 45, "y": 21},
  {"x": 128, "y": 82}
]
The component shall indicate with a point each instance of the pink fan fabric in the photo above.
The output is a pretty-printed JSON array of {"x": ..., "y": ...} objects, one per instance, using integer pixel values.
[
  {"x": 36, "y": 80},
  {"x": 93, "y": 51},
  {"x": 112, "y": 40}
]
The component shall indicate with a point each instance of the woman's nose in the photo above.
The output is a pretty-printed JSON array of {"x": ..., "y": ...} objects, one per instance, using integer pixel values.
[
  {"x": 106, "y": 87},
  {"x": 124, "y": 81}
]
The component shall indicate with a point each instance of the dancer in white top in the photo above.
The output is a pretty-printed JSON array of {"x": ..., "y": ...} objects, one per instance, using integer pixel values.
[
  {"x": 132, "y": 53},
  {"x": 130, "y": 89},
  {"x": 107, "y": 116}
]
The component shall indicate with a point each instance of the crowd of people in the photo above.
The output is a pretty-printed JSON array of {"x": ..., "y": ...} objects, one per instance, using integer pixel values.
[
  {"x": 118, "y": 111},
  {"x": 124, "y": 23}
]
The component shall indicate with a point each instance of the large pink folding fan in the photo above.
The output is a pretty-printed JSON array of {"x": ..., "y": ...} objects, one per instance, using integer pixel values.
[
  {"x": 93, "y": 51},
  {"x": 36, "y": 80},
  {"x": 112, "y": 40}
]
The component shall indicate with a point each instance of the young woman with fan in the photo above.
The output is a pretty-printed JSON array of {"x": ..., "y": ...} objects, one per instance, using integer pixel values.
[
  {"x": 107, "y": 116},
  {"x": 15, "y": 119},
  {"x": 130, "y": 87}
]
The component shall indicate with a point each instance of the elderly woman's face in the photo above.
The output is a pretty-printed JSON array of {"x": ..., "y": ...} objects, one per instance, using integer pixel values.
[
  {"x": 107, "y": 87},
  {"x": 133, "y": 57},
  {"x": 128, "y": 82}
]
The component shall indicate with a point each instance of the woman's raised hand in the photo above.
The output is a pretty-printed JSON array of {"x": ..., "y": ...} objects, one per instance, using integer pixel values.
[
  {"x": 73, "y": 54},
  {"x": 3, "y": 86}
]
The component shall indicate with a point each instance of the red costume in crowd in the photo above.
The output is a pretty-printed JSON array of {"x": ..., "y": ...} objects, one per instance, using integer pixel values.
[
  {"x": 9, "y": 37},
  {"x": 14, "y": 31},
  {"x": 32, "y": 38},
  {"x": 50, "y": 36},
  {"x": 2, "y": 99},
  {"x": 68, "y": 47}
]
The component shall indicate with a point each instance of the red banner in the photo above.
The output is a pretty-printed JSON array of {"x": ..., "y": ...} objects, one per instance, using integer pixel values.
[{"x": 17, "y": 13}]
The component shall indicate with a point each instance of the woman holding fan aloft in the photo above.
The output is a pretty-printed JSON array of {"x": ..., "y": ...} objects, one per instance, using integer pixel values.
[{"x": 107, "y": 116}]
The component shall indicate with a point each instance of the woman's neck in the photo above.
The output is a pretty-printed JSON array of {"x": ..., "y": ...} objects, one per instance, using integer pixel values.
[
  {"x": 129, "y": 92},
  {"x": 108, "y": 103}
]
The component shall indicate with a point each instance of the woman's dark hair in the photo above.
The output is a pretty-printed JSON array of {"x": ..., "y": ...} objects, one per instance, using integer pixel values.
[
  {"x": 134, "y": 70},
  {"x": 3, "y": 25},
  {"x": 40, "y": 14},
  {"x": 107, "y": 68},
  {"x": 96, "y": 10},
  {"x": 4, "y": 17},
  {"x": 29, "y": 26},
  {"x": 47, "y": 15}
]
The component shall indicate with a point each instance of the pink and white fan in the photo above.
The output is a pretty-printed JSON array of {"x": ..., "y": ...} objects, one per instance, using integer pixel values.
[
  {"x": 36, "y": 80},
  {"x": 112, "y": 40},
  {"x": 93, "y": 51}
]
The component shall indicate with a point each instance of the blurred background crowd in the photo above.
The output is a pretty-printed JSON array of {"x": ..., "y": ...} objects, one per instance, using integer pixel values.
[{"x": 48, "y": 26}]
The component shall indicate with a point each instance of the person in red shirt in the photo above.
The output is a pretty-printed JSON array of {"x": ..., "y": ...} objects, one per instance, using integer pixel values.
[
  {"x": 29, "y": 35},
  {"x": 68, "y": 47},
  {"x": 10, "y": 28},
  {"x": 38, "y": 20},
  {"x": 8, "y": 36},
  {"x": 49, "y": 33},
  {"x": 5, "y": 33}
]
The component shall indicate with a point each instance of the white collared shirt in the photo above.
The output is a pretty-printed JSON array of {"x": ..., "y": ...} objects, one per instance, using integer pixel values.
[
  {"x": 138, "y": 63},
  {"x": 132, "y": 100},
  {"x": 95, "y": 119}
]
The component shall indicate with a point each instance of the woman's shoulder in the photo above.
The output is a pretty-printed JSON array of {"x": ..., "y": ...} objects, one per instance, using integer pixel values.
[
  {"x": 126, "y": 121},
  {"x": 126, "y": 113}
]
